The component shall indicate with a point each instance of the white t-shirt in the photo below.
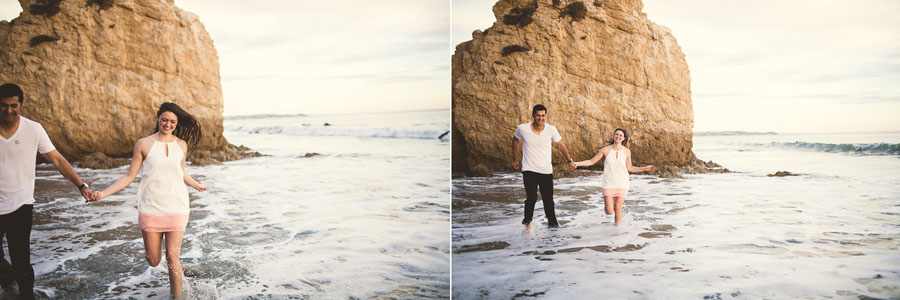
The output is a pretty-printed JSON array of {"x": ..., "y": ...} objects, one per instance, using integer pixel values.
[
  {"x": 18, "y": 156},
  {"x": 537, "y": 149}
]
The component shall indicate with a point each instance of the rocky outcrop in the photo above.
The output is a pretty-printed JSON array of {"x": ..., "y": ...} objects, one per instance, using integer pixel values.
[
  {"x": 596, "y": 65},
  {"x": 479, "y": 171},
  {"x": 95, "y": 72},
  {"x": 98, "y": 160}
]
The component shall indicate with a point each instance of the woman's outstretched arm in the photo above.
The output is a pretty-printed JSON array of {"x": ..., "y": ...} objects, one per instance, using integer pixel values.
[
  {"x": 136, "y": 160},
  {"x": 592, "y": 161}
]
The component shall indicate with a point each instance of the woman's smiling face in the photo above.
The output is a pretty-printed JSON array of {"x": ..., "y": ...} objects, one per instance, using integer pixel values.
[{"x": 167, "y": 122}]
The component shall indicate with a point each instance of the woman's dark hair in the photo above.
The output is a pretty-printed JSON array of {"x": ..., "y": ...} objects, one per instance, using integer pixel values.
[
  {"x": 187, "y": 129},
  {"x": 612, "y": 141}
]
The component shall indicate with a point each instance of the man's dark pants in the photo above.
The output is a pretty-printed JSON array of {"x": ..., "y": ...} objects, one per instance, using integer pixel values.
[
  {"x": 533, "y": 181},
  {"x": 17, "y": 228}
]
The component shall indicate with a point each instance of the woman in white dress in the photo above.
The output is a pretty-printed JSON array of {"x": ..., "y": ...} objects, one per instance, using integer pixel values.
[
  {"x": 163, "y": 205},
  {"x": 615, "y": 172}
]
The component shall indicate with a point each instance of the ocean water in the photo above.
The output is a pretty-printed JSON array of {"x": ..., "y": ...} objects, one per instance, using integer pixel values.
[
  {"x": 368, "y": 217},
  {"x": 831, "y": 232}
]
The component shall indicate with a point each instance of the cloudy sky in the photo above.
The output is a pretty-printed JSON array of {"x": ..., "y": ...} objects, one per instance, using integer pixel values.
[
  {"x": 784, "y": 66},
  {"x": 322, "y": 57}
]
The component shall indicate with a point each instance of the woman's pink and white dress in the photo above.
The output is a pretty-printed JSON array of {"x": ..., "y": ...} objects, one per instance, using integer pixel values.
[
  {"x": 615, "y": 174},
  {"x": 163, "y": 204}
]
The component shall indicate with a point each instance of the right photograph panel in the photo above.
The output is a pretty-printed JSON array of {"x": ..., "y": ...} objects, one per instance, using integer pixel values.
[{"x": 629, "y": 149}]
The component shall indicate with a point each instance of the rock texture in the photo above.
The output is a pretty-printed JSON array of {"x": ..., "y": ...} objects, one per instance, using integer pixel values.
[
  {"x": 98, "y": 160},
  {"x": 596, "y": 65},
  {"x": 94, "y": 72}
]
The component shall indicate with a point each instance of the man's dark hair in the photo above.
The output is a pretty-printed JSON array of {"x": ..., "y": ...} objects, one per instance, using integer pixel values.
[
  {"x": 11, "y": 90},
  {"x": 537, "y": 108}
]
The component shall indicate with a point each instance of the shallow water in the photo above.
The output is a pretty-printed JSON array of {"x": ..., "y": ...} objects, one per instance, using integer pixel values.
[
  {"x": 367, "y": 218},
  {"x": 831, "y": 232}
]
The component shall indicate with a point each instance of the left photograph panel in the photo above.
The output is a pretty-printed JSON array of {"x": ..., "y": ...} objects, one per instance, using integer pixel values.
[{"x": 224, "y": 149}]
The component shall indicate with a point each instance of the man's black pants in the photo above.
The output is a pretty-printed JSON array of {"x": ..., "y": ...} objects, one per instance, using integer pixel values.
[
  {"x": 534, "y": 180},
  {"x": 16, "y": 226}
]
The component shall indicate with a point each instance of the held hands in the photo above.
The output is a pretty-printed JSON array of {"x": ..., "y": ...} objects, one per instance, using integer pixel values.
[
  {"x": 90, "y": 195},
  {"x": 649, "y": 168},
  {"x": 573, "y": 165}
]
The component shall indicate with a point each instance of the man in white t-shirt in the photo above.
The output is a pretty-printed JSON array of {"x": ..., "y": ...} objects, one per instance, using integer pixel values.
[
  {"x": 21, "y": 140},
  {"x": 537, "y": 168}
]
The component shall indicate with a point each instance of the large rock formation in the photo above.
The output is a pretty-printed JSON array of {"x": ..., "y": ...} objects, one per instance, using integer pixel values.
[
  {"x": 95, "y": 71},
  {"x": 596, "y": 65}
]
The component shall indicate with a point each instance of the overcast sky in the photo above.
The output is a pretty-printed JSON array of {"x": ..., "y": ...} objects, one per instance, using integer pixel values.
[
  {"x": 320, "y": 57},
  {"x": 783, "y": 66}
]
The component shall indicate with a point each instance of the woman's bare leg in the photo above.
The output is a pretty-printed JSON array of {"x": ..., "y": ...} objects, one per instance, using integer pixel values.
[
  {"x": 608, "y": 205},
  {"x": 153, "y": 247},
  {"x": 619, "y": 202},
  {"x": 173, "y": 254}
]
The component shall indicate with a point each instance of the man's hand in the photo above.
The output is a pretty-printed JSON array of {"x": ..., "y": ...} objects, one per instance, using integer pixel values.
[
  {"x": 573, "y": 165},
  {"x": 515, "y": 165},
  {"x": 90, "y": 195},
  {"x": 87, "y": 193}
]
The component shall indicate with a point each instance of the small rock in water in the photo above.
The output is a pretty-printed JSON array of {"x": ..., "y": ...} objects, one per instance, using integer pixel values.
[
  {"x": 782, "y": 174},
  {"x": 311, "y": 154},
  {"x": 227, "y": 153}
]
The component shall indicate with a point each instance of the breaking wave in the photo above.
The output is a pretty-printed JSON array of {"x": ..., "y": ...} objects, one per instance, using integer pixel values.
[{"x": 868, "y": 149}]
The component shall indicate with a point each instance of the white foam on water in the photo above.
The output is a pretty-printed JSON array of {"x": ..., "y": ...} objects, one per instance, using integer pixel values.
[
  {"x": 831, "y": 232},
  {"x": 366, "y": 218}
]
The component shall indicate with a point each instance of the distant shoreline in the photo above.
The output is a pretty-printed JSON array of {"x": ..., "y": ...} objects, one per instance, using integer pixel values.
[
  {"x": 726, "y": 133},
  {"x": 260, "y": 116}
]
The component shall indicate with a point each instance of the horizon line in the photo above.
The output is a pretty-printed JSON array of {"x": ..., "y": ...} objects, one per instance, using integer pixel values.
[
  {"x": 779, "y": 133},
  {"x": 325, "y": 114}
]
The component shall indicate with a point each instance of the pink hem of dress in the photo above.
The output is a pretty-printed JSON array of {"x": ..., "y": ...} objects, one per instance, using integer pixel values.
[
  {"x": 151, "y": 223},
  {"x": 615, "y": 192}
]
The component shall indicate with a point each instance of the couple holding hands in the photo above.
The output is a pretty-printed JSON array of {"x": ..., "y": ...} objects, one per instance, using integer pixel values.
[
  {"x": 536, "y": 140},
  {"x": 163, "y": 205}
]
